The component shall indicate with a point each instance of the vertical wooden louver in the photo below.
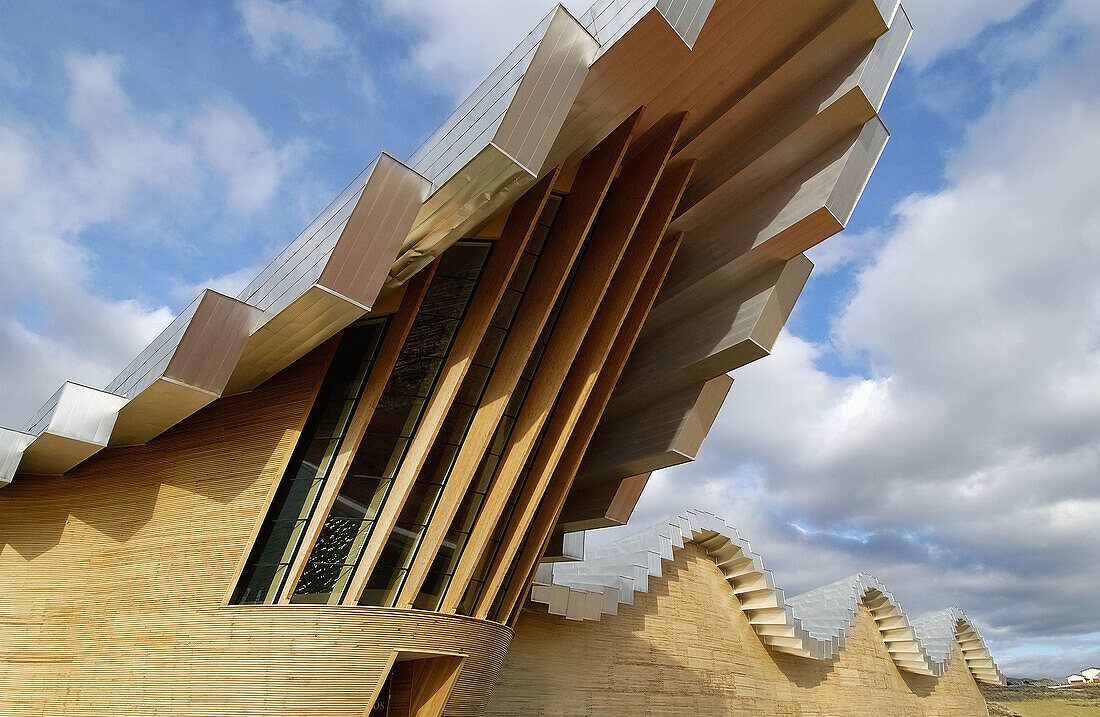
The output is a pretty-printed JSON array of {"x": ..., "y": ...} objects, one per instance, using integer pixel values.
[
  {"x": 562, "y": 246},
  {"x": 466, "y": 531}
]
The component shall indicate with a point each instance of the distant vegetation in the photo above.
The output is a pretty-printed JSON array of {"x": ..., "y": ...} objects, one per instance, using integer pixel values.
[{"x": 1032, "y": 700}]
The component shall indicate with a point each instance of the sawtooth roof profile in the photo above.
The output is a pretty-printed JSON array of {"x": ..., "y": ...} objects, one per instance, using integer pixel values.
[
  {"x": 813, "y": 625},
  {"x": 749, "y": 212}
]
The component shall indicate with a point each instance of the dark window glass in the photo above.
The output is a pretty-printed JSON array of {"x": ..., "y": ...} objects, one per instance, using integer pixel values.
[
  {"x": 309, "y": 465},
  {"x": 445, "y": 562},
  {"x": 390, "y": 429}
]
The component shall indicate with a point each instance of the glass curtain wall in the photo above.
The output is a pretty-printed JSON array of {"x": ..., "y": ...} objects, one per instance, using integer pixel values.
[
  {"x": 472, "y": 596},
  {"x": 450, "y": 553},
  {"x": 349, "y": 525},
  {"x": 388, "y": 577},
  {"x": 310, "y": 464}
]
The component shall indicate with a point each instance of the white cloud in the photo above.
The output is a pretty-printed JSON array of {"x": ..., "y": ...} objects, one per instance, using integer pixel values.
[
  {"x": 230, "y": 140},
  {"x": 844, "y": 250},
  {"x": 229, "y": 284},
  {"x": 941, "y": 26},
  {"x": 127, "y": 156},
  {"x": 963, "y": 467},
  {"x": 294, "y": 32},
  {"x": 119, "y": 168},
  {"x": 457, "y": 43},
  {"x": 53, "y": 326}
]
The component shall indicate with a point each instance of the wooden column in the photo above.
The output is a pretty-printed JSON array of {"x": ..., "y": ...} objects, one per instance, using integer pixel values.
[
  {"x": 502, "y": 263},
  {"x": 619, "y": 217},
  {"x": 396, "y": 333},
  {"x": 566, "y": 469},
  {"x": 560, "y": 251},
  {"x": 585, "y": 371}
]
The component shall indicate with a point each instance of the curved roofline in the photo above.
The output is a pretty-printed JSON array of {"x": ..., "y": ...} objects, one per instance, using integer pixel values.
[{"x": 814, "y": 625}]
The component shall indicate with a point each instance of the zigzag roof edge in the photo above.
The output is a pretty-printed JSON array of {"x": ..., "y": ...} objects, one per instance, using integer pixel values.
[
  {"x": 815, "y": 624},
  {"x": 296, "y": 277}
]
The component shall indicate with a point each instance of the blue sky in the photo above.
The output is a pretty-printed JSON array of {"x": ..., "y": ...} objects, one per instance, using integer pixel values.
[{"x": 931, "y": 415}]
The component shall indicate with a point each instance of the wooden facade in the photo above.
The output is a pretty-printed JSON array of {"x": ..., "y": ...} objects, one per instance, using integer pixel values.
[
  {"x": 113, "y": 595},
  {"x": 336, "y": 490},
  {"x": 686, "y": 647}
]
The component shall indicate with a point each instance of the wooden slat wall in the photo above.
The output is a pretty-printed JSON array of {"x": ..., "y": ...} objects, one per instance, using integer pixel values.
[
  {"x": 113, "y": 582},
  {"x": 687, "y": 648}
]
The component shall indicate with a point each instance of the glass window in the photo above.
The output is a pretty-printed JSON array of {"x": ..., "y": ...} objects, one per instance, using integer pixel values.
[
  {"x": 389, "y": 431},
  {"x": 309, "y": 465},
  {"x": 445, "y": 562}
]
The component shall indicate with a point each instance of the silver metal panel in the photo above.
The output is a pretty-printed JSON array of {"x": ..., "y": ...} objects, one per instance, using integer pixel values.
[
  {"x": 546, "y": 92},
  {"x": 12, "y": 445},
  {"x": 316, "y": 316},
  {"x": 667, "y": 432},
  {"x": 471, "y": 126},
  {"x": 798, "y": 213},
  {"x": 297, "y": 267},
  {"x": 728, "y": 329},
  {"x": 486, "y": 183},
  {"x": 686, "y": 17},
  {"x": 74, "y": 424},
  {"x": 886, "y": 58},
  {"x": 152, "y": 361},
  {"x": 856, "y": 171},
  {"x": 496, "y": 145},
  {"x": 82, "y": 413},
  {"x": 160, "y": 405},
  {"x": 608, "y": 20}
]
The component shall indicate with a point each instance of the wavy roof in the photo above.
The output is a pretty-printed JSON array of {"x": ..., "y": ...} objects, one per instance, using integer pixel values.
[
  {"x": 798, "y": 85},
  {"x": 814, "y": 625}
]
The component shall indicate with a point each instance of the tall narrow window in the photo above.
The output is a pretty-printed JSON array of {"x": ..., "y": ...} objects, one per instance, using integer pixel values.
[
  {"x": 472, "y": 596},
  {"x": 310, "y": 464},
  {"x": 348, "y": 527},
  {"x": 450, "y": 552},
  {"x": 403, "y": 545}
]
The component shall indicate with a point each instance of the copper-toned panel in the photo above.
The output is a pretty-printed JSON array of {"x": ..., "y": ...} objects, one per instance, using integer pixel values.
[
  {"x": 212, "y": 343},
  {"x": 373, "y": 235}
]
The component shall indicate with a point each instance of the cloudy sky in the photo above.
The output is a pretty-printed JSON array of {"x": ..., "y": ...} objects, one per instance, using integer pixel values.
[{"x": 932, "y": 414}]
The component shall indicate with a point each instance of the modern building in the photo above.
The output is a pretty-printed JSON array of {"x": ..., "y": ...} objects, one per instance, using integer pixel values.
[{"x": 357, "y": 487}]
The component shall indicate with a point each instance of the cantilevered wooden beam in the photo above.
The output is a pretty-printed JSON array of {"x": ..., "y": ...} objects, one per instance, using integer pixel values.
[
  {"x": 566, "y": 469},
  {"x": 562, "y": 246},
  {"x": 396, "y": 333},
  {"x": 577, "y": 394},
  {"x": 517, "y": 230},
  {"x": 619, "y": 217}
]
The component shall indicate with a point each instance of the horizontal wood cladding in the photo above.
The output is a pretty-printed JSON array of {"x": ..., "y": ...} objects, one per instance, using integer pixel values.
[
  {"x": 686, "y": 647},
  {"x": 113, "y": 581}
]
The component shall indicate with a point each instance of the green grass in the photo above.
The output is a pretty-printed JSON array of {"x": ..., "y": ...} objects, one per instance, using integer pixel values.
[{"x": 1054, "y": 708}]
